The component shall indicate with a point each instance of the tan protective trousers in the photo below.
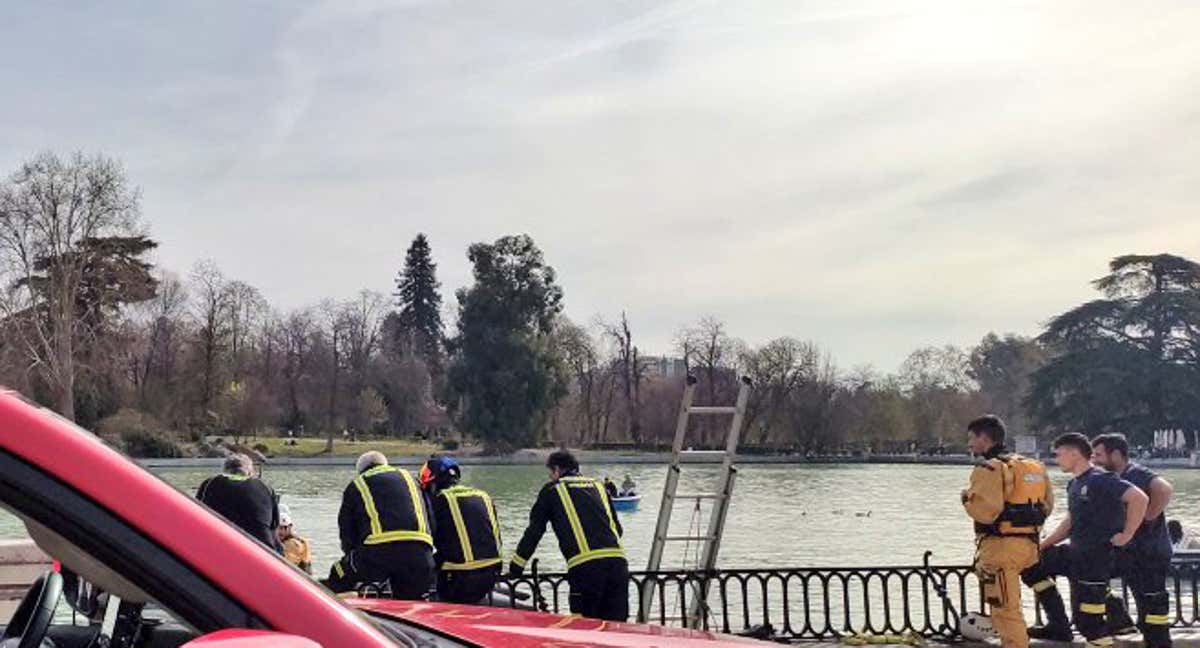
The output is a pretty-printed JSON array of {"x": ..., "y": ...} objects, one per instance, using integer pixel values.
[{"x": 999, "y": 562}]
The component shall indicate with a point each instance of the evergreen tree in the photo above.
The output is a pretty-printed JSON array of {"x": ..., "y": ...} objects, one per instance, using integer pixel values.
[
  {"x": 420, "y": 318},
  {"x": 1127, "y": 362},
  {"x": 505, "y": 377}
]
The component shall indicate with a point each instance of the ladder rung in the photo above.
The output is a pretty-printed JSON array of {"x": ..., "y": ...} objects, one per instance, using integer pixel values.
[
  {"x": 711, "y": 410},
  {"x": 703, "y": 453},
  {"x": 698, "y": 496},
  {"x": 703, "y": 538}
]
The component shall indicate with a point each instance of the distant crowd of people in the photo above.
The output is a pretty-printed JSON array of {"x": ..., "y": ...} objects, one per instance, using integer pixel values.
[{"x": 430, "y": 536}]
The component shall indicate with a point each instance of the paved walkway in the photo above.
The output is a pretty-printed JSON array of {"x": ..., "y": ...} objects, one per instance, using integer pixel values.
[{"x": 1181, "y": 638}]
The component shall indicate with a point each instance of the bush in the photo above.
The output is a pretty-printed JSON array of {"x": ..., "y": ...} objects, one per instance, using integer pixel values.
[
  {"x": 150, "y": 444},
  {"x": 140, "y": 435},
  {"x": 261, "y": 448},
  {"x": 450, "y": 444}
]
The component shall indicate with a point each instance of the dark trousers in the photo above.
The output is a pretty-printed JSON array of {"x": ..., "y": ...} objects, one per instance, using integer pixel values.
[
  {"x": 600, "y": 589},
  {"x": 1088, "y": 570},
  {"x": 1146, "y": 578},
  {"x": 406, "y": 566},
  {"x": 469, "y": 587}
]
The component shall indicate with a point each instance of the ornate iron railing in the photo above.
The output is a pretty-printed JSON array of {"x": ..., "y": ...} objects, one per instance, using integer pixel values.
[{"x": 801, "y": 604}]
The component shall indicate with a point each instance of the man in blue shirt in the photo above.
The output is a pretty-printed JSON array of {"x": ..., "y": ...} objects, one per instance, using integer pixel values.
[
  {"x": 1144, "y": 562},
  {"x": 1104, "y": 511}
]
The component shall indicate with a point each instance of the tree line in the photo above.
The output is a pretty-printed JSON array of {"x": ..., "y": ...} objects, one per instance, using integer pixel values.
[{"x": 154, "y": 358}]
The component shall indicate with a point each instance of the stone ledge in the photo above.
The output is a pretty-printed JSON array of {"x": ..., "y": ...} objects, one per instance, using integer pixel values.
[
  {"x": 21, "y": 552},
  {"x": 1184, "y": 638}
]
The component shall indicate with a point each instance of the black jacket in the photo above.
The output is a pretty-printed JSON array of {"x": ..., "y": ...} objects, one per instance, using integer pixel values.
[
  {"x": 583, "y": 519},
  {"x": 468, "y": 533},
  {"x": 384, "y": 505},
  {"x": 247, "y": 502}
]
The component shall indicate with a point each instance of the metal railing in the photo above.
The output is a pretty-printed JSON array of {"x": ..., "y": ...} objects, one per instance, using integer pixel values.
[{"x": 802, "y": 604}]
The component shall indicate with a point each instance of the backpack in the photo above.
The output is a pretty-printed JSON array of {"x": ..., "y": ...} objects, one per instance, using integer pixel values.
[{"x": 1026, "y": 496}]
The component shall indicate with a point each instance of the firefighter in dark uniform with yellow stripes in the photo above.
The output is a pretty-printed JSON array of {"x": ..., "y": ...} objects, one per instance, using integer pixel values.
[
  {"x": 1146, "y": 560},
  {"x": 386, "y": 531},
  {"x": 589, "y": 536},
  {"x": 467, "y": 540},
  {"x": 1104, "y": 513}
]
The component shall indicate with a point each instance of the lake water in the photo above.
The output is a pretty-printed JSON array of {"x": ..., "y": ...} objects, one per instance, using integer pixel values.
[{"x": 818, "y": 515}]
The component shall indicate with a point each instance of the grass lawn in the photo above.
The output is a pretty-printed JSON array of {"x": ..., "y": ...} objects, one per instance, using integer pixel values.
[{"x": 308, "y": 447}]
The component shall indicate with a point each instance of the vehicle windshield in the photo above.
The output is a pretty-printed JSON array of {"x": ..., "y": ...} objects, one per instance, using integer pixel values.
[
  {"x": 90, "y": 588},
  {"x": 410, "y": 635}
]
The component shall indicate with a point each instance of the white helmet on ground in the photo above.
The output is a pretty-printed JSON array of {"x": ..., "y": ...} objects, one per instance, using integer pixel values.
[{"x": 977, "y": 627}]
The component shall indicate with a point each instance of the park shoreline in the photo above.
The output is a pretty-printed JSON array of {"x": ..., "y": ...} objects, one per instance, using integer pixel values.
[{"x": 537, "y": 458}]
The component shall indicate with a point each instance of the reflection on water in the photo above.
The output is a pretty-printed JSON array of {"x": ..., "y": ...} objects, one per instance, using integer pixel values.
[{"x": 781, "y": 515}]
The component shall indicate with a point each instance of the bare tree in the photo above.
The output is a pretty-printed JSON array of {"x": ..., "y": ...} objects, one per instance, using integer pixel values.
[
  {"x": 779, "y": 369},
  {"x": 937, "y": 382},
  {"x": 589, "y": 374},
  {"x": 709, "y": 351},
  {"x": 49, "y": 209},
  {"x": 157, "y": 336},
  {"x": 213, "y": 312},
  {"x": 296, "y": 340},
  {"x": 363, "y": 324},
  {"x": 631, "y": 368},
  {"x": 335, "y": 328},
  {"x": 247, "y": 310}
]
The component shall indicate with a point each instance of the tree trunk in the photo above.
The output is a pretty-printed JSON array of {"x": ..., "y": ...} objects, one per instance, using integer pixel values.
[
  {"x": 64, "y": 353},
  {"x": 66, "y": 397}
]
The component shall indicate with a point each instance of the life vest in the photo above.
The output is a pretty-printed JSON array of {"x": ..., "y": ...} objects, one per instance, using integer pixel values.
[{"x": 1026, "y": 496}]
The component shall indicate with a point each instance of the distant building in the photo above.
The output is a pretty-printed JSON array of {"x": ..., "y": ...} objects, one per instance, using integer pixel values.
[{"x": 664, "y": 367}]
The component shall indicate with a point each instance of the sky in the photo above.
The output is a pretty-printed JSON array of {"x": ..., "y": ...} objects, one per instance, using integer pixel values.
[{"x": 872, "y": 176}]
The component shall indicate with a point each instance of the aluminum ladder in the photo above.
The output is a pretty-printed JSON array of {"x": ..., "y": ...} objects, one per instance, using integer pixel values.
[{"x": 710, "y": 543}]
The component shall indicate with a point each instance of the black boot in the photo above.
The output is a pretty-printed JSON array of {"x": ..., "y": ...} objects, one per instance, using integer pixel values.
[
  {"x": 1117, "y": 619},
  {"x": 1058, "y": 626},
  {"x": 1052, "y": 633}
]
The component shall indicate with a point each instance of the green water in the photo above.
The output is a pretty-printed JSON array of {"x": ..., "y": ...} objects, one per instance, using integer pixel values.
[{"x": 780, "y": 516}]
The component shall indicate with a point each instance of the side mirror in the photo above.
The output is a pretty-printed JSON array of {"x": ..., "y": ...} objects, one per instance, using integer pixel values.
[{"x": 250, "y": 639}]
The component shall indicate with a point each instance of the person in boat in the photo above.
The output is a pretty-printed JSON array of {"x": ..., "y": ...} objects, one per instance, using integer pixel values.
[
  {"x": 386, "y": 531},
  {"x": 295, "y": 548},
  {"x": 467, "y": 537},
  {"x": 1009, "y": 498},
  {"x": 628, "y": 487},
  {"x": 1144, "y": 563},
  {"x": 589, "y": 535},
  {"x": 610, "y": 487},
  {"x": 1104, "y": 512},
  {"x": 244, "y": 500}
]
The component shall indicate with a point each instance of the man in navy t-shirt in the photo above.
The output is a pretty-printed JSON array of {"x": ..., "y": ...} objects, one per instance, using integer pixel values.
[
  {"x": 1104, "y": 511},
  {"x": 1144, "y": 562}
]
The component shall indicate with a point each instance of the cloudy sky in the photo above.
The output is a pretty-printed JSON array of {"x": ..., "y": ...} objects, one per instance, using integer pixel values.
[{"x": 874, "y": 176}]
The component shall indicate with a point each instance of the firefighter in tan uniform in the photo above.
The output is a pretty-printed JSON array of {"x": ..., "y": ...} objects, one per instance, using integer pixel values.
[{"x": 1009, "y": 498}]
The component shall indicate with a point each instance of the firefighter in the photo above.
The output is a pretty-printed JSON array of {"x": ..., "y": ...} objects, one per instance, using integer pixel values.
[
  {"x": 244, "y": 500},
  {"x": 1009, "y": 498},
  {"x": 467, "y": 540},
  {"x": 1104, "y": 512},
  {"x": 386, "y": 531},
  {"x": 296, "y": 549},
  {"x": 1144, "y": 562},
  {"x": 589, "y": 536}
]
